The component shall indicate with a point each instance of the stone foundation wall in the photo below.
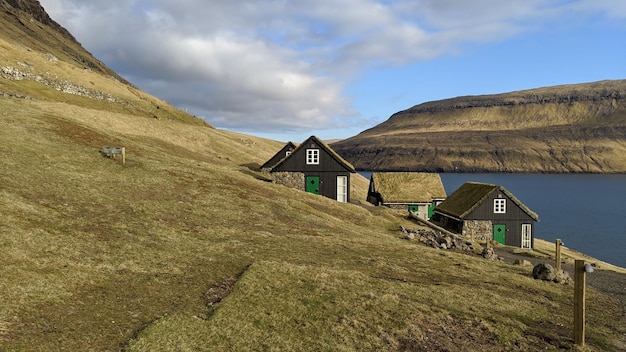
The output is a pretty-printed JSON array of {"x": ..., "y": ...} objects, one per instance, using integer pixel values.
[
  {"x": 289, "y": 179},
  {"x": 479, "y": 230}
]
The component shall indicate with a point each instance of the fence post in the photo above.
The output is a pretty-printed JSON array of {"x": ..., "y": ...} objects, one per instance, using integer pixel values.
[
  {"x": 579, "y": 302},
  {"x": 557, "y": 260}
]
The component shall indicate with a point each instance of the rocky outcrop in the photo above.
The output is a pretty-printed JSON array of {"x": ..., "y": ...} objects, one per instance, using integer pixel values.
[
  {"x": 36, "y": 11},
  {"x": 17, "y": 74},
  {"x": 437, "y": 239}
]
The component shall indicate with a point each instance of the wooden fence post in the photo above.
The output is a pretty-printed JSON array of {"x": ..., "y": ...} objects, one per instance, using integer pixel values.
[
  {"x": 579, "y": 302},
  {"x": 557, "y": 260}
]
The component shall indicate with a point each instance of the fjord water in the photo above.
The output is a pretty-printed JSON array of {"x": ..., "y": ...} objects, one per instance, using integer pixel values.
[{"x": 586, "y": 211}]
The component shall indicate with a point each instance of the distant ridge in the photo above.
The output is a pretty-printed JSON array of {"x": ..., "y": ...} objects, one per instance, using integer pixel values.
[{"x": 567, "y": 128}]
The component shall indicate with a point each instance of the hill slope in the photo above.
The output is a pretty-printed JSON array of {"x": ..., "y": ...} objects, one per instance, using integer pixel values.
[
  {"x": 570, "y": 128},
  {"x": 184, "y": 248}
]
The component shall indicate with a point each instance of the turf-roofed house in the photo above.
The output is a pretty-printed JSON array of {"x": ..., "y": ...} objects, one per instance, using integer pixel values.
[
  {"x": 315, "y": 168},
  {"x": 487, "y": 211},
  {"x": 419, "y": 192}
]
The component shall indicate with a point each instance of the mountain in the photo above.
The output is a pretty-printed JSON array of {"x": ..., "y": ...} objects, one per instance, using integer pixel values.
[
  {"x": 186, "y": 247},
  {"x": 26, "y": 22},
  {"x": 568, "y": 128}
]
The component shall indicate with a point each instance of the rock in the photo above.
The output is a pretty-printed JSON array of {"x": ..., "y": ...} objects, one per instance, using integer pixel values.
[
  {"x": 544, "y": 272},
  {"x": 522, "y": 262},
  {"x": 563, "y": 277},
  {"x": 488, "y": 253},
  {"x": 444, "y": 241},
  {"x": 547, "y": 272}
]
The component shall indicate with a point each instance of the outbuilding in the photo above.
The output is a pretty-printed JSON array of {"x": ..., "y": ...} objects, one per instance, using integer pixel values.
[
  {"x": 418, "y": 192},
  {"x": 280, "y": 155},
  {"x": 489, "y": 212},
  {"x": 315, "y": 168}
]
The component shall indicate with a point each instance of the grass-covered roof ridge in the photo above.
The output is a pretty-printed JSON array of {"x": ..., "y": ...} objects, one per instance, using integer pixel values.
[{"x": 403, "y": 187}]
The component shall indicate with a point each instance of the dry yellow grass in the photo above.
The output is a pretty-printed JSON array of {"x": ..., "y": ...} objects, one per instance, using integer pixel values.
[{"x": 403, "y": 187}]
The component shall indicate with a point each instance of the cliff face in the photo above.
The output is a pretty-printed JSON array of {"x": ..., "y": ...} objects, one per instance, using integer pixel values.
[{"x": 572, "y": 128}]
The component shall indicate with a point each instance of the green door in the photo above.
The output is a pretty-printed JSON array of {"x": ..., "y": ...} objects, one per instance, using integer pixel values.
[
  {"x": 312, "y": 184},
  {"x": 498, "y": 233},
  {"x": 431, "y": 209}
]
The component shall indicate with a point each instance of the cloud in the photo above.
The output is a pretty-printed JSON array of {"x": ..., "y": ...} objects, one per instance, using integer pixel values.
[{"x": 278, "y": 65}]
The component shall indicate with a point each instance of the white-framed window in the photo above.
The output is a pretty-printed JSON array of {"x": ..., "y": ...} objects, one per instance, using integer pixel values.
[
  {"x": 342, "y": 188},
  {"x": 312, "y": 156},
  {"x": 287, "y": 153},
  {"x": 499, "y": 205},
  {"x": 527, "y": 235}
]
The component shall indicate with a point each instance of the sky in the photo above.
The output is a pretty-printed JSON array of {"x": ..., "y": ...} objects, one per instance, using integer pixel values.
[{"x": 287, "y": 70}]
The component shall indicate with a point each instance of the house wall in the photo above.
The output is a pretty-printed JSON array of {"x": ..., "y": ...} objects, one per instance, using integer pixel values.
[
  {"x": 447, "y": 223},
  {"x": 328, "y": 181},
  {"x": 290, "y": 179},
  {"x": 422, "y": 208},
  {"x": 512, "y": 219},
  {"x": 479, "y": 230}
]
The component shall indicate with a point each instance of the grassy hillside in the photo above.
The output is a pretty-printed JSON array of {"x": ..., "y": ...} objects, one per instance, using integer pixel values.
[
  {"x": 185, "y": 248},
  {"x": 570, "y": 128}
]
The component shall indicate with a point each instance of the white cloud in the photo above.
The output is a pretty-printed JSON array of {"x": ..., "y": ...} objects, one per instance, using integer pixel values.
[{"x": 279, "y": 65}]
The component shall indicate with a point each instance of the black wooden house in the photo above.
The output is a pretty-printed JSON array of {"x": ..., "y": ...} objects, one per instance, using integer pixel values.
[
  {"x": 488, "y": 211},
  {"x": 315, "y": 168},
  {"x": 283, "y": 153}
]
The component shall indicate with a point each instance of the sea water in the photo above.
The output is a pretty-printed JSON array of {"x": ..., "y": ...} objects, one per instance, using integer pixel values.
[{"x": 586, "y": 211}]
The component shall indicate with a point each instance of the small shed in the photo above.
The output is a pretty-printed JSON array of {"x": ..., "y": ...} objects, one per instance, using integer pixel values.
[
  {"x": 489, "y": 212},
  {"x": 280, "y": 155},
  {"x": 419, "y": 192},
  {"x": 315, "y": 168}
]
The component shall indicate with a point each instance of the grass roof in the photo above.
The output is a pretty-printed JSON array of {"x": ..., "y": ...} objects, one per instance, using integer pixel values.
[
  {"x": 471, "y": 194},
  {"x": 408, "y": 187}
]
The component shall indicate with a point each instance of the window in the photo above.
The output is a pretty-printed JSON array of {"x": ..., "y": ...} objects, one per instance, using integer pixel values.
[
  {"x": 312, "y": 156},
  {"x": 342, "y": 188},
  {"x": 499, "y": 205},
  {"x": 287, "y": 153}
]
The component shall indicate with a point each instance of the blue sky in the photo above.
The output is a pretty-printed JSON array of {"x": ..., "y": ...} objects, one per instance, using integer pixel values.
[{"x": 333, "y": 68}]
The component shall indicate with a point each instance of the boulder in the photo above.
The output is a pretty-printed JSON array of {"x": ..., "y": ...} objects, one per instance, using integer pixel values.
[
  {"x": 547, "y": 272},
  {"x": 543, "y": 271}
]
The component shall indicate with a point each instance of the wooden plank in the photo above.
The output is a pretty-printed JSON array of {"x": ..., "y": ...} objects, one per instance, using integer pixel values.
[{"x": 113, "y": 150}]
